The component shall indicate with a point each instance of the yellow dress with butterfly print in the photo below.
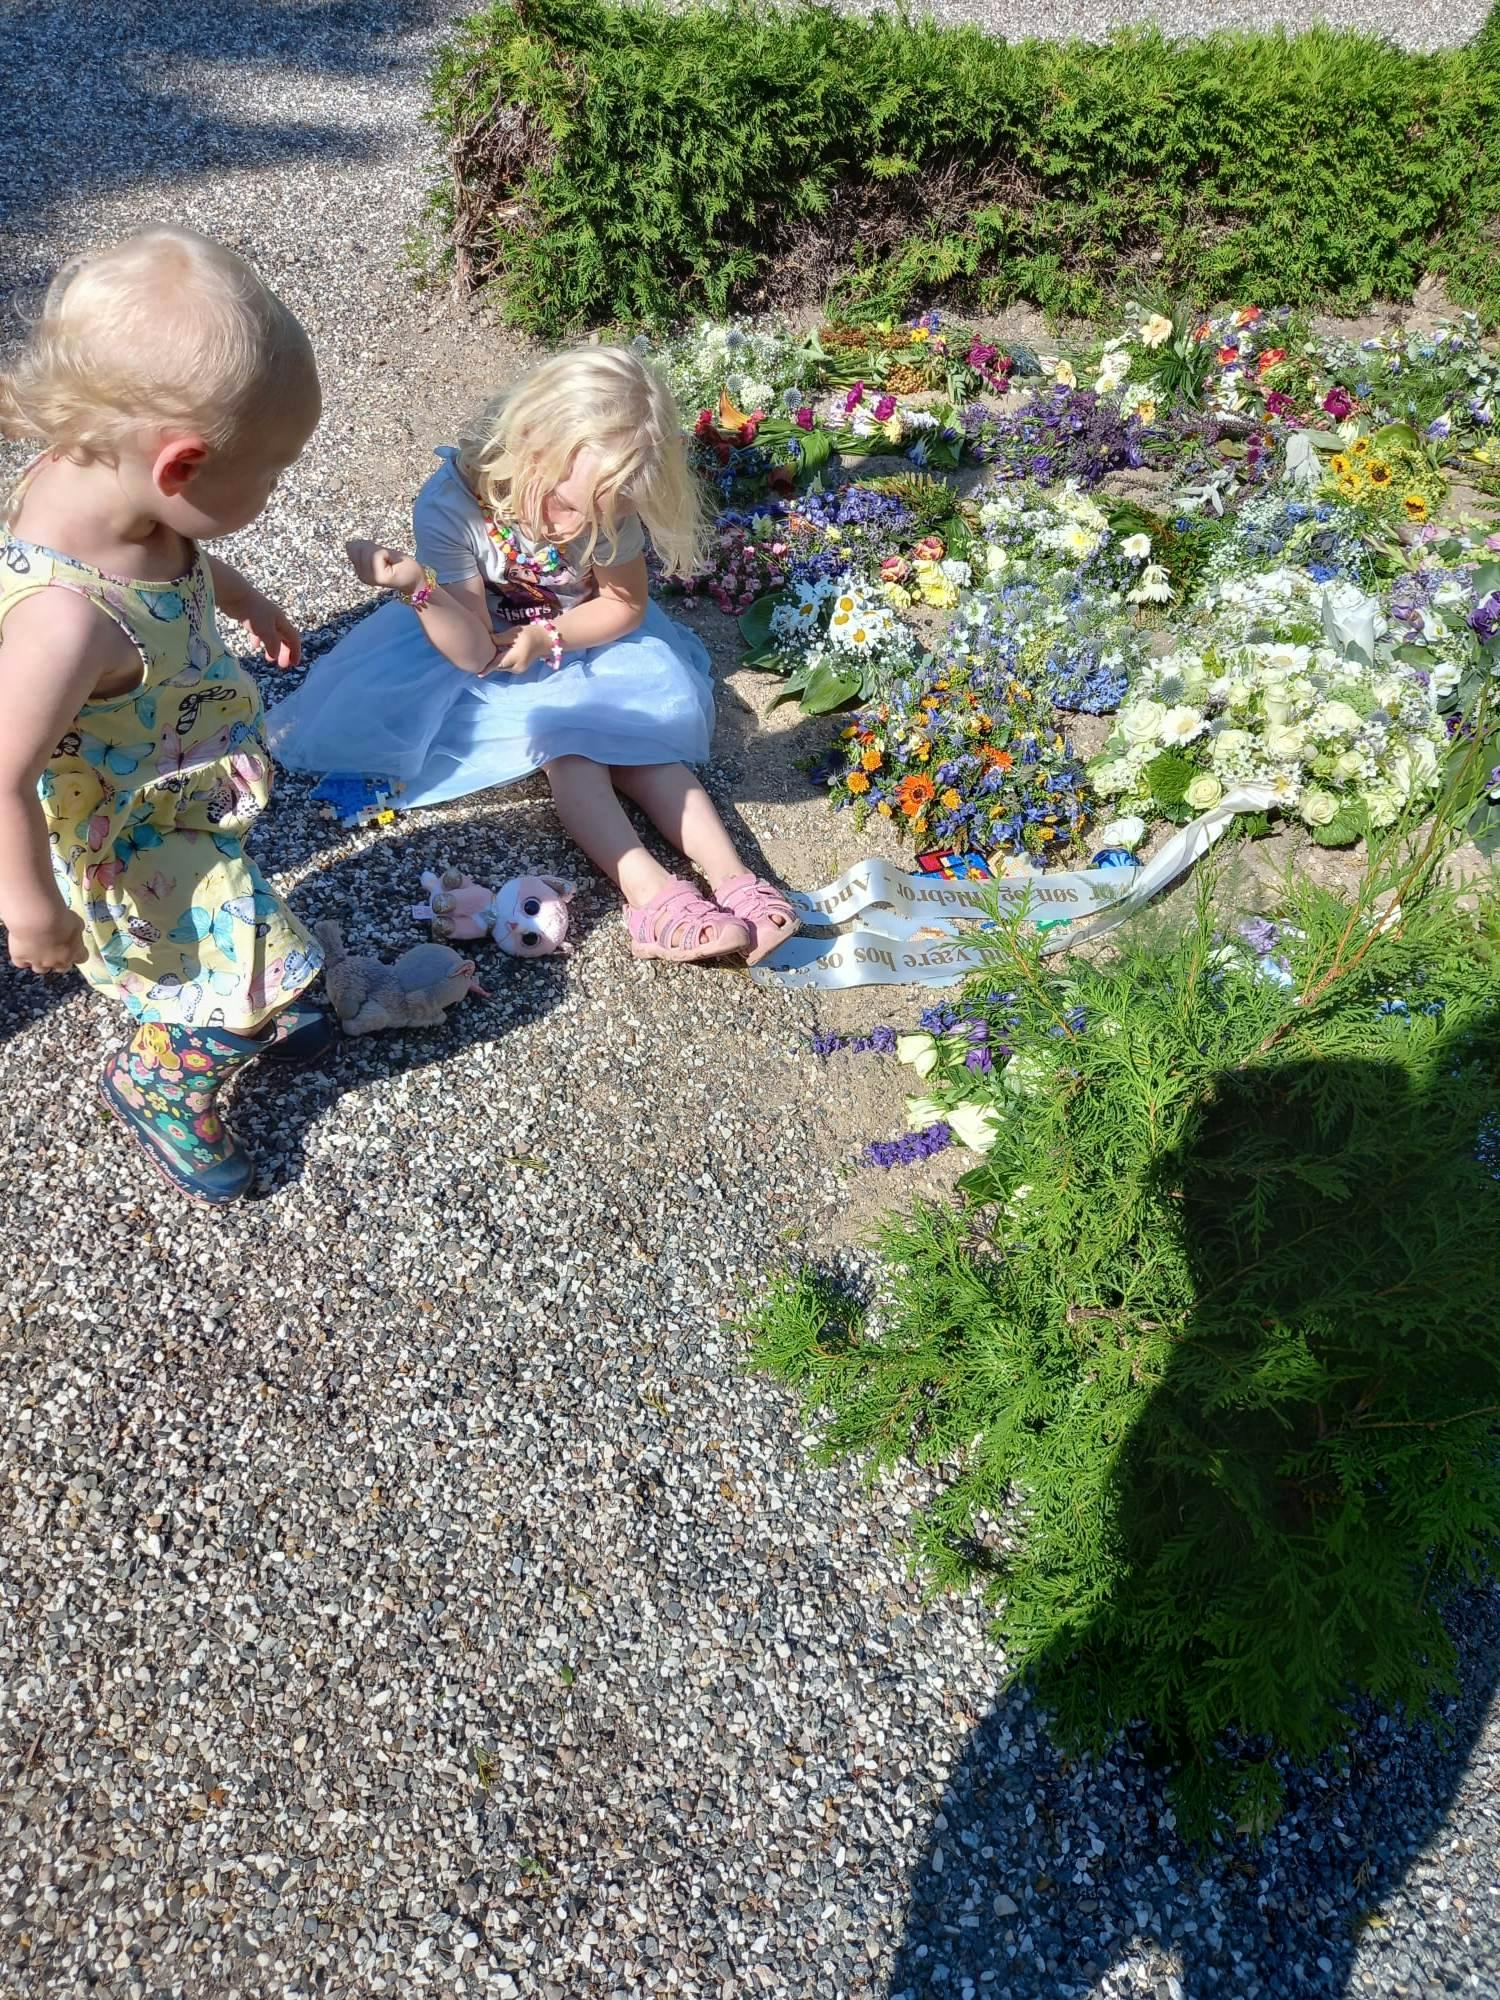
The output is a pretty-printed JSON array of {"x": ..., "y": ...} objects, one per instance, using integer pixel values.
[{"x": 148, "y": 798}]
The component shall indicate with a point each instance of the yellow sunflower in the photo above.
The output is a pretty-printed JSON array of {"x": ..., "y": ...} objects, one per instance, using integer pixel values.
[
  {"x": 1416, "y": 507},
  {"x": 1360, "y": 447},
  {"x": 1339, "y": 466},
  {"x": 1380, "y": 473}
]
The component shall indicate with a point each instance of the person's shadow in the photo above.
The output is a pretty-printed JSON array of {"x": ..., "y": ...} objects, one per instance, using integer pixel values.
[{"x": 1337, "y": 1218}]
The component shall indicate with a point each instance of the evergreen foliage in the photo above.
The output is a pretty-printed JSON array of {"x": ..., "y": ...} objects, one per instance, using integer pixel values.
[
  {"x": 1209, "y": 1356},
  {"x": 632, "y": 163}
]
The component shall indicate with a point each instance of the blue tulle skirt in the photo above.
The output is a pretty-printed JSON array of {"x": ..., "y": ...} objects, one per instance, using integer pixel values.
[{"x": 385, "y": 703}]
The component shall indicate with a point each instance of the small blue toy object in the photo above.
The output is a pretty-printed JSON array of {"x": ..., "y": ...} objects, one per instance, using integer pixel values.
[{"x": 351, "y": 799}]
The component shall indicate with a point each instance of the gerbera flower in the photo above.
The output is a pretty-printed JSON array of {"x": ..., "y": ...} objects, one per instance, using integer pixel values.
[{"x": 914, "y": 793}]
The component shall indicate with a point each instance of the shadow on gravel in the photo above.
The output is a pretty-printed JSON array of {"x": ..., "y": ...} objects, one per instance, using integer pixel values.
[
  {"x": 996, "y": 1914},
  {"x": 91, "y": 105},
  {"x": 1329, "y": 1209}
]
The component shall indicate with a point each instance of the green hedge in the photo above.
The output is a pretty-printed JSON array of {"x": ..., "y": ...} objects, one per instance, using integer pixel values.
[{"x": 612, "y": 162}]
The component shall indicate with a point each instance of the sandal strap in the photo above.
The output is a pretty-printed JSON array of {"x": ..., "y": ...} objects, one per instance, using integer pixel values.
[
  {"x": 747, "y": 896},
  {"x": 678, "y": 916}
]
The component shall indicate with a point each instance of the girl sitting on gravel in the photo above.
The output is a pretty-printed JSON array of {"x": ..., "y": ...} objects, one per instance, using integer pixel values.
[
  {"x": 169, "y": 389},
  {"x": 526, "y": 640}
]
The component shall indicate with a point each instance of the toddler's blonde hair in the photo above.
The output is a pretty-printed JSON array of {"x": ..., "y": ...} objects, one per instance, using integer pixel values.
[
  {"x": 607, "y": 402},
  {"x": 167, "y": 327}
]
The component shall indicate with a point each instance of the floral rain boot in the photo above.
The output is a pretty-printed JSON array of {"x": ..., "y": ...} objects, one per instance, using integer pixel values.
[{"x": 164, "y": 1088}]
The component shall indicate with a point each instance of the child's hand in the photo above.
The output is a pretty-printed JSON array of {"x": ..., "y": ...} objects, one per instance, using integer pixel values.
[
  {"x": 275, "y": 634},
  {"x": 50, "y": 940},
  {"x": 530, "y": 644},
  {"x": 385, "y": 569}
]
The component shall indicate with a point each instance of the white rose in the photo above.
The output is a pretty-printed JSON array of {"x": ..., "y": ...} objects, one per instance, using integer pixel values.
[
  {"x": 1230, "y": 742},
  {"x": 1204, "y": 793},
  {"x": 1350, "y": 765},
  {"x": 919, "y": 1052},
  {"x": 1338, "y": 718},
  {"x": 1382, "y": 804},
  {"x": 1318, "y": 808},
  {"x": 1127, "y": 832},
  {"x": 1287, "y": 740},
  {"x": 1141, "y": 722},
  {"x": 1277, "y": 709},
  {"x": 995, "y": 560},
  {"x": 974, "y": 1126}
]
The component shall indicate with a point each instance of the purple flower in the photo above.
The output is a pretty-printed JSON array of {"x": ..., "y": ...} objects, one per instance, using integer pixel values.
[
  {"x": 804, "y": 419},
  {"x": 908, "y": 1150},
  {"x": 885, "y": 409},
  {"x": 1338, "y": 403}
]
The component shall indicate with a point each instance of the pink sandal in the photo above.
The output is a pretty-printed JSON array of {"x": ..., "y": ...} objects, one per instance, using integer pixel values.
[
  {"x": 684, "y": 927},
  {"x": 764, "y": 909}
]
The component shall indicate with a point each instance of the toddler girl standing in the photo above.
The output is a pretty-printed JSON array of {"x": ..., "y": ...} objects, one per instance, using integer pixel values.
[
  {"x": 527, "y": 640},
  {"x": 169, "y": 389}
]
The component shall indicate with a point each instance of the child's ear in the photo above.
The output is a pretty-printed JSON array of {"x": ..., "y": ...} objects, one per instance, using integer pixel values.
[{"x": 176, "y": 463}]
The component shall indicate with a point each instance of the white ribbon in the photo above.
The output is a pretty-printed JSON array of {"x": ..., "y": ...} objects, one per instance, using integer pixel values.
[{"x": 917, "y": 929}]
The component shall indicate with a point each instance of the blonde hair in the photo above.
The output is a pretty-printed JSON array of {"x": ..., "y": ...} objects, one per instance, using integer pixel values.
[
  {"x": 605, "y": 401},
  {"x": 167, "y": 326}
]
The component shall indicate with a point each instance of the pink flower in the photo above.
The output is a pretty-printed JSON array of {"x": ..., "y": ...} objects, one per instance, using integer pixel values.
[
  {"x": 804, "y": 419},
  {"x": 1492, "y": 542},
  {"x": 1338, "y": 403},
  {"x": 854, "y": 398},
  {"x": 885, "y": 409}
]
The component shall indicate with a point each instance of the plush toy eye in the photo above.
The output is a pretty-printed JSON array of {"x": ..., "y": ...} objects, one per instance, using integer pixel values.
[
  {"x": 529, "y": 938},
  {"x": 531, "y": 906}
]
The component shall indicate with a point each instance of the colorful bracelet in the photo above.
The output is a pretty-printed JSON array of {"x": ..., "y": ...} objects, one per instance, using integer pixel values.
[
  {"x": 552, "y": 633},
  {"x": 419, "y": 598}
]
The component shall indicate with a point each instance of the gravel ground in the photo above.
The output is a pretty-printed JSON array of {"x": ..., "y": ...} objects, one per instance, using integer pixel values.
[{"x": 405, "y": 1594}]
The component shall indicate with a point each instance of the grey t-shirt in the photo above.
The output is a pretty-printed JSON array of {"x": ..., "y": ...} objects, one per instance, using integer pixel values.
[{"x": 453, "y": 538}]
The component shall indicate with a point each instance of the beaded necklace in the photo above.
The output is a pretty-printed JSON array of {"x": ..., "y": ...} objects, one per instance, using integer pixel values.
[{"x": 544, "y": 560}]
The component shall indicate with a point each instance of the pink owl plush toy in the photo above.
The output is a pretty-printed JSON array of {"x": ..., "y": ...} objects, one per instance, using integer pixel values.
[{"x": 527, "y": 917}]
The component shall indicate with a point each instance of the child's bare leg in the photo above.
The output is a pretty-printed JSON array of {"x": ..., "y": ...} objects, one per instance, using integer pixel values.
[
  {"x": 594, "y": 820},
  {"x": 679, "y": 808}
]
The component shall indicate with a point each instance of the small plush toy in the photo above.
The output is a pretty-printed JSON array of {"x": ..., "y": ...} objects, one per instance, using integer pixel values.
[
  {"x": 527, "y": 917},
  {"x": 415, "y": 992}
]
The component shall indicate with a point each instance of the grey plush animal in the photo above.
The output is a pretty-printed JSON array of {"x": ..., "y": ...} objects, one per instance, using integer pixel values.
[{"x": 413, "y": 993}]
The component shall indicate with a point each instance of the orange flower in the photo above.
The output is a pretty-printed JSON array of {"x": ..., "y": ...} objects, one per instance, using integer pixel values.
[
  {"x": 1000, "y": 760},
  {"x": 858, "y": 782},
  {"x": 1269, "y": 358},
  {"x": 914, "y": 793},
  {"x": 871, "y": 760}
]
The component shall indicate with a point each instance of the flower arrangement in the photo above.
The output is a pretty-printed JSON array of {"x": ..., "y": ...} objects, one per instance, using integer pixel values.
[
  {"x": 1069, "y": 433},
  {"x": 957, "y": 754},
  {"x": 1388, "y": 476},
  {"x": 835, "y": 640},
  {"x": 1342, "y": 737}
]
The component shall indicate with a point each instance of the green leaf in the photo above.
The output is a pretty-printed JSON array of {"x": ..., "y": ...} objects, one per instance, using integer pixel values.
[
  {"x": 829, "y": 688},
  {"x": 755, "y": 630},
  {"x": 817, "y": 449}
]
